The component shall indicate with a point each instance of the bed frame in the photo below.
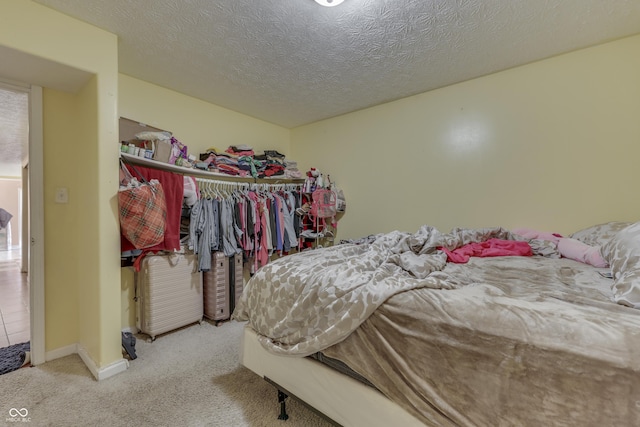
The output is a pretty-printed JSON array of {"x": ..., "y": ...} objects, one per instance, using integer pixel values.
[{"x": 336, "y": 396}]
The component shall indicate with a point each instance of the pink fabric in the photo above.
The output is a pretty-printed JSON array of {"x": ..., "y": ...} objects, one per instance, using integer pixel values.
[
  {"x": 534, "y": 234},
  {"x": 568, "y": 248},
  {"x": 581, "y": 252},
  {"x": 490, "y": 248},
  {"x": 264, "y": 220}
]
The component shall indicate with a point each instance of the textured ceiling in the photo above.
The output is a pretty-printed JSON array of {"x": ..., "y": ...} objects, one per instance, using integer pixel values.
[{"x": 293, "y": 62}]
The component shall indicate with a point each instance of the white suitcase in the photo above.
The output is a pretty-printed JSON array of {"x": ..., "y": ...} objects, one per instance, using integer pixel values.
[{"x": 169, "y": 293}]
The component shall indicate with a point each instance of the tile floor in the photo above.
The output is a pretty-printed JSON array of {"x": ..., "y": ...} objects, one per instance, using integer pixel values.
[{"x": 14, "y": 300}]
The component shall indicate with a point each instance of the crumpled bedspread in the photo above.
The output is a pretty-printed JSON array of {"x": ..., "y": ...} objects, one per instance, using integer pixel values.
[
  {"x": 306, "y": 302},
  {"x": 503, "y": 341}
]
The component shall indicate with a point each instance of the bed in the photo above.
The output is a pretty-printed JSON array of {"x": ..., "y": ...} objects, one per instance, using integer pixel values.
[{"x": 495, "y": 341}]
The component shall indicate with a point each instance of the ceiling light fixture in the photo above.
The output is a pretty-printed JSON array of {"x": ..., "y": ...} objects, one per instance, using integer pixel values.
[{"x": 329, "y": 3}]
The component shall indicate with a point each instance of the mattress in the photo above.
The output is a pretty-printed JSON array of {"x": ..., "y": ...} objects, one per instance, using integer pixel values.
[
  {"x": 507, "y": 340},
  {"x": 527, "y": 349}
]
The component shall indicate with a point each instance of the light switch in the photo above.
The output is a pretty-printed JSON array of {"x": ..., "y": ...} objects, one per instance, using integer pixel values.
[{"x": 62, "y": 195}]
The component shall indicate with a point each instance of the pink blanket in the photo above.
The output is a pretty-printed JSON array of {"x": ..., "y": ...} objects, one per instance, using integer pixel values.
[{"x": 489, "y": 248}]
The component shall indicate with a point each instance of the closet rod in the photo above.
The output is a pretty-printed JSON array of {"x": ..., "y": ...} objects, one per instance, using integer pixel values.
[{"x": 250, "y": 185}]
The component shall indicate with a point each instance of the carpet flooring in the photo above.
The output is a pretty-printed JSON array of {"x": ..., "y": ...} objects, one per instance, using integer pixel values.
[{"x": 189, "y": 377}]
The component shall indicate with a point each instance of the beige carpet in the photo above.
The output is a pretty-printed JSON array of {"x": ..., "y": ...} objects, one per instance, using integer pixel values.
[{"x": 190, "y": 377}]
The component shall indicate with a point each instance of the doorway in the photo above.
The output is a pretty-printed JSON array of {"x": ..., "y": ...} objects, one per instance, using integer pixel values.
[
  {"x": 21, "y": 117},
  {"x": 15, "y": 305}
]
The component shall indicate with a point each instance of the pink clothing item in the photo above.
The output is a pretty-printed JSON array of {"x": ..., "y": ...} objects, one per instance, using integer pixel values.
[
  {"x": 280, "y": 220},
  {"x": 581, "y": 252},
  {"x": 528, "y": 233},
  {"x": 568, "y": 248},
  {"x": 489, "y": 248},
  {"x": 257, "y": 244},
  {"x": 264, "y": 221}
]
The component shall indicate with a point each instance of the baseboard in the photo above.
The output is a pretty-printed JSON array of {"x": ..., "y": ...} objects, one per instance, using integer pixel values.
[
  {"x": 112, "y": 369},
  {"x": 60, "y": 352},
  {"x": 104, "y": 372},
  {"x": 99, "y": 374}
]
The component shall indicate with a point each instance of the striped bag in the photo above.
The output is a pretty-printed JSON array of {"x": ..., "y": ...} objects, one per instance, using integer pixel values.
[{"x": 142, "y": 211}]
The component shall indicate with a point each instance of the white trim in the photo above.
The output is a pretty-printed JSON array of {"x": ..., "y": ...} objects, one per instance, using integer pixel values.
[
  {"x": 36, "y": 227},
  {"x": 105, "y": 372},
  {"x": 112, "y": 369},
  {"x": 14, "y": 85},
  {"x": 24, "y": 250},
  {"x": 61, "y": 352},
  {"x": 99, "y": 374},
  {"x": 33, "y": 246}
]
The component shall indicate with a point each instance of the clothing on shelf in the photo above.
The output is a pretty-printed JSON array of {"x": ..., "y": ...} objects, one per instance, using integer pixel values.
[{"x": 257, "y": 220}]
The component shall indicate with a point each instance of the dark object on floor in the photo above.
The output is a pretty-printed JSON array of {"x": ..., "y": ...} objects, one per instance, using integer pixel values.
[
  {"x": 129, "y": 344},
  {"x": 13, "y": 357}
]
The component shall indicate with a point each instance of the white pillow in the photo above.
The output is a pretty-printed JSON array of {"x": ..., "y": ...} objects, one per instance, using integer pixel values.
[
  {"x": 600, "y": 234},
  {"x": 622, "y": 252}
]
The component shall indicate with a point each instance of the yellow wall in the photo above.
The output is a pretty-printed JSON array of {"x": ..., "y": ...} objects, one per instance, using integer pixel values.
[
  {"x": 61, "y": 278},
  {"x": 199, "y": 125},
  {"x": 81, "y": 238},
  {"x": 552, "y": 145},
  {"x": 196, "y": 123}
]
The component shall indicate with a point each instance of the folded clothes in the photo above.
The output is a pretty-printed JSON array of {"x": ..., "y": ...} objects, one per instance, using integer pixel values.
[
  {"x": 233, "y": 149},
  {"x": 229, "y": 169},
  {"x": 274, "y": 153}
]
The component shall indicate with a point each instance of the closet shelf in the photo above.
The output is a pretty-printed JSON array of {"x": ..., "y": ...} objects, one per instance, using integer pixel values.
[{"x": 136, "y": 160}]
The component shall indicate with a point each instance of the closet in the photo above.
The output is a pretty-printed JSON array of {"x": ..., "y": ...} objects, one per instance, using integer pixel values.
[
  {"x": 228, "y": 228},
  {"x": 224, "y": 227}
]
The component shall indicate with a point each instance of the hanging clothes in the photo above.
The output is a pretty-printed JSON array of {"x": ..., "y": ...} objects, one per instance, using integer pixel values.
[
  {"x": 257, "y": 220},
  {"x": 204, "y": 231},
  {"x": 288, "y": 212},
  {"x": 228, "y": 229}
]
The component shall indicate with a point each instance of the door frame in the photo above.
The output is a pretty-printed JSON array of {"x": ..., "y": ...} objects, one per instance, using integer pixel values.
[
  {"x": 36, "y": 226},
  {"x": 33, "y": 205}
]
